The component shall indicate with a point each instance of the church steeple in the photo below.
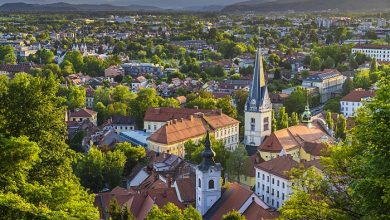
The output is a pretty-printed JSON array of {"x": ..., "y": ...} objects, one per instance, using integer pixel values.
[
  {"x": 208, "y": 177},
  {"x": 208, "y": 155},
  {"x": 306, "y": 115},
  {"x": 258, "y": 89}
]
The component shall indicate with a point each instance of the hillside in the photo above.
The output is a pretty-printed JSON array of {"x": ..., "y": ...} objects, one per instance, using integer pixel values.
[
  {"x": 65, "y": 7},
  {"x": 307, "y": 5}
]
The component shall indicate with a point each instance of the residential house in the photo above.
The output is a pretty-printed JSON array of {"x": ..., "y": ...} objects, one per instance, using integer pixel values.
[
  {"x": 354, "y": 100},
  {"x": 83, "y": 114},
  {"x": 139, "y": 83},
  {"x": 113, "y": 71}
]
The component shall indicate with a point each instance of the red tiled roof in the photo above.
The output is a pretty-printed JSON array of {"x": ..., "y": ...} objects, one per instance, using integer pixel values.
[
  {"x": 292, "y": 137},
  {"x": 314, "y": 148},
  {"x": 357, "y": 95},
  {"x": 279, "y": 166},
  {"x": 256, "y": 212},
  {"x": 166, "y": 114},
  {"x": 186, "y": 188},
  {"x": 183, "y": 129},
  {"x": 233, "y": 198},
  {"x": 179, "y": 130},
  {"x": 17, "y": 68},
  {"x": 83, "y": 113}
]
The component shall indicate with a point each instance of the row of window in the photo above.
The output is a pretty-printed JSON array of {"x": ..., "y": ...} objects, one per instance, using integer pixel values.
[
  {"x": 124, "y": 127},
  {"x": 375, "y": 51},
  {"x": 226, "y": 131},
  {"x": 268, "y": 179}
]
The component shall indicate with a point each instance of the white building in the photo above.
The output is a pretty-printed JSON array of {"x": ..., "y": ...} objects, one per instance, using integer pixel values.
[
  {"x": 329, "y": 83},
  {"x": 208, "y": 177},
  {"x": 378, "y": 52},
  {"x": 354, "y": 100},
  {"x": 258, "y": 108},
  {"x": 272, "y": 182},
  {"x": 138, "y": 83}
]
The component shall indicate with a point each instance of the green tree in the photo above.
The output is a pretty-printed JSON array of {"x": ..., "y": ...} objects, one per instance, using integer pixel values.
[
  {"x": 237, "y": 163},
  {"x": 341, "y": 127},
  {"x": 90, "y": 170},
  {"x": 30, "y": 107},
  {"x": 76, "y": 59},
  {"x": 333, "y": 105},
  {"x": 273, "y": 122},
  {"x": 7, "y": 54},
  {"x": 315, "y": 64},
  {"x": 362, "y": 80},
  {"x": 77, "y": 97},
  {"x": 233, "y": 215},
  {"x": 170, "y": 102},
  {"x": 114, "y": 210},
  {"x": 282, "y": 121},
  {"x": 329, "y": 120},
  {"x": 146, "y": 98},
  {"x": 240, "y": 97},
  {"x": 294, "y": 119},
  {"x": 10, "y": 58},
  {"x": 93, "y": 66},
  {"x": 297, "y": 101},
  {"x": 114, "y": 163},
  {"x": 357, "y": 170},
  {"x": 328, "y": 63},
  {"x": 373, "y": 66},
  {"x": 226, "y": 105},
  {"x": 347, "y": 86},
  {"x": 134, "y": 155}
]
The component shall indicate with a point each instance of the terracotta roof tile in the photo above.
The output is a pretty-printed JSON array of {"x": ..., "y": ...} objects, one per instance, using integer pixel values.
[
  {"x": 357, "y": 95},
  {"x": 256, "y": 212},
  {"x": 292, "y": 137},
  {"x": 186, "y": 188},
  {"x": 84, "y": 113},
  {"x": 279, "y": 166},
  {"x": 232, "y": 198}
]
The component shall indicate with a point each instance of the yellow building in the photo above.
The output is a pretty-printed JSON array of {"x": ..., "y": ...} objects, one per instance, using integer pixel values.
[{"x": 170, "y": 138}]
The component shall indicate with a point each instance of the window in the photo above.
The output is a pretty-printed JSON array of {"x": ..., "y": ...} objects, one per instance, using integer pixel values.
[
  {"x": 258, "y": 185},
  {"x": 263, "y": 176},
  {"x": 253, "y": 121},
  {"x": 267, "y": 189},
  {"x": 277, "y": 182},
  {"x": 262, "y": 187},
  {"x": 148, "y": 127},
  {"x": 199, "y": 183},
  {"x": 277, "y": 194},
  {"x": 267, "y": 178},
  {"x": 273, "y": 192},
  {"x": 266, "y": 124},
  {"x": 273, "y": 181},
  {"x": 211, "y": 184},
  {"x": 283, "y": 185},
  {"x": 258, "y": 174},
  {"x": 277, "y": 204},
  {"x": 282, "y": 196},
  {"x": 272, "y": 201},
  {"x": 155, "y": 127}
]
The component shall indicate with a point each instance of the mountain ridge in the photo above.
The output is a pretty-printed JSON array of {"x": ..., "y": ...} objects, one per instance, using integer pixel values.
[
  {"x": 307, "y": 5},
  {"x": 67, "y": 7}
]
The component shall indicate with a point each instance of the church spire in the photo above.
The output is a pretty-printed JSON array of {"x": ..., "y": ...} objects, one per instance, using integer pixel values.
[
  {"x": 208, "y": 154},
  {"x": 306, "y": 115},
  {"x": 258, "y": 89}
]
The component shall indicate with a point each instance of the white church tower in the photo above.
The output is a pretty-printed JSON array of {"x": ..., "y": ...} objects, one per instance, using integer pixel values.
[
  {"x": 208, "y": 177},
  {"x": 258, "y": 107}
]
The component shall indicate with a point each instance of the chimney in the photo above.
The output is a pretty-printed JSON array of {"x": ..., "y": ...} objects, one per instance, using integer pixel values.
[
  {"x": 168, "y": 122},
  {"x": 181, "y": 119},
  {"x": 196, "y": 107},
  {"x": 191, "y": 117},
  {"x": 175, "y": 121}
]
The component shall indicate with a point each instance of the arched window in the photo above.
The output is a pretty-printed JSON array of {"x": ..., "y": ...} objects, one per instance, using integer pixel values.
[
  {"x": 199, "y": 183},
  {"x": 211, "y": 184}
]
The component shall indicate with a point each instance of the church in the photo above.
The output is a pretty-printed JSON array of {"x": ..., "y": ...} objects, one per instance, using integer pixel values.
[
  {"x": 213, "y": 201},
  {"x": 304, "y": 141}
]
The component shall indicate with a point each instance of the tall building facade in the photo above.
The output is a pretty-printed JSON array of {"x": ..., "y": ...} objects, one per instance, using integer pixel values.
[{"x": 258, "y": 107}]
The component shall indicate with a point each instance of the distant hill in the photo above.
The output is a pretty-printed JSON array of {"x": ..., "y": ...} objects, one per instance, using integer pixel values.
[
  {"x": 307, "y": 5},
  {"x": 66, "y": 7}
]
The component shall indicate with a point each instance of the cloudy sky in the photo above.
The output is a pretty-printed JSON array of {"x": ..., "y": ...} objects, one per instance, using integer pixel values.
[{"x": 158, "y": 3}]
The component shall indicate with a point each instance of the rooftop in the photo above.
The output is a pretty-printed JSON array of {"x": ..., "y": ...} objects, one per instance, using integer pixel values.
[{"x": 357, "y": 95}]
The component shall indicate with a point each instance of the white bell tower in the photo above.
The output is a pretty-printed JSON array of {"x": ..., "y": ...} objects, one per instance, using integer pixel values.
[
  {"x": 208, "y": 177},
  {"x": 258, "y": 108}
]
